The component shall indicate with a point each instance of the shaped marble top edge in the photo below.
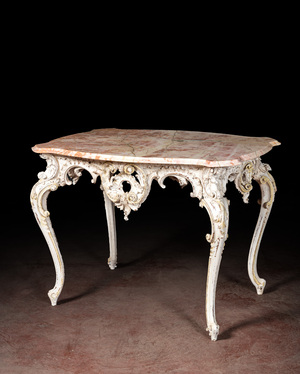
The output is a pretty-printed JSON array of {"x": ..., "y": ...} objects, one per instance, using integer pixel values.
[{"x": 160, "y": 146}]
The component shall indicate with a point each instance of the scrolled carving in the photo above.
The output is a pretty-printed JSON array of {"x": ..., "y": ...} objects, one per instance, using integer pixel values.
[
  {"x": 70, "y": 170},
  {"x": 60, "y": 171},
  {"x": 208, "y": 185},
  {"x": 218, "y": 213},
  {"x": 113, "y": 177},
  {"x": 243, "y": 179},
  {"x": 244, "y": 174},
  {"x": 262, "y": 176},
  {"x": 214, "y": 182},
  {"x": 51, "y": 169},
  {"x": 173, "y": 172},
  {"x": 206, "y": 182},
  {"x": 268, "y": 179},
  {"x": 48, "y": 181}
]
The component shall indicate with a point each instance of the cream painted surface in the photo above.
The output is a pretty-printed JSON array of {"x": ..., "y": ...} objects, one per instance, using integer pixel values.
[{"x": 208, "y": 185}]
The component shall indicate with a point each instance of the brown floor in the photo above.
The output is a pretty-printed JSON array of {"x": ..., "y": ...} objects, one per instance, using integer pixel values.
[{"x": 148, "y": 315}]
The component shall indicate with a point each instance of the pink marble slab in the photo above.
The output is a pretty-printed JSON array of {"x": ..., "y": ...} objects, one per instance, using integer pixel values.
[{"x": 160, "y": 146}]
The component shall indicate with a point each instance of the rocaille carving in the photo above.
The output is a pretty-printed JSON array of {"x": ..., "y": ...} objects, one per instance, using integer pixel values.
[
  {"x": 127, "y": 186},
  {"x": 205, "y": 181}
]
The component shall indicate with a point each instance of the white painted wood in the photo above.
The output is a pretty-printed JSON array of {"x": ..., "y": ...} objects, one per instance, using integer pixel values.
[
  {"x": 208, "y": 185},
  {"x": 268, "y": 189},
  {"x": 38, "y": 197},
  {"x": 112, "y": 233},
  {"x": 219, "y": 217}
]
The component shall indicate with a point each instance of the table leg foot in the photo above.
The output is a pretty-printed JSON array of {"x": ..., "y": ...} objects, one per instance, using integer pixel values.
[
  {"x": 53, "y": 295},
  {"x": 112, "y": 232},
  {"x": 261, "y": 286},
  {"x": 112, "y": 264},
  {"x": 268, "y": 188},
  {"x": 213, "y": 331},
  {"x": 218, "y": 213}
]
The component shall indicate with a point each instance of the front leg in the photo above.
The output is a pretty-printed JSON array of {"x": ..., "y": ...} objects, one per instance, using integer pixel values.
[
  {"x": 38, "y": 197},
  {"x": 219, "y": 216},
  {"x": 268, "y": 189}
]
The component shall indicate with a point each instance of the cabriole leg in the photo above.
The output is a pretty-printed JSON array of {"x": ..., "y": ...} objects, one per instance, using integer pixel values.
[
  {"x": 112, "y": 232},
  {"x": 268, "y": 189},
  {"x": 219, "y": 216},
  {"x": 38, "y": 197}
]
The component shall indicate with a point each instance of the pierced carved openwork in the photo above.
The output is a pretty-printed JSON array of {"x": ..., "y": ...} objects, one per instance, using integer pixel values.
[
  {"x": 113, "y": 179},
  {"x": 127, "y": 186}
]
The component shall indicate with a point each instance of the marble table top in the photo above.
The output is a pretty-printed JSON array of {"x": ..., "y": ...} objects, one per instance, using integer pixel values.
[{"x": 160, "y": 146}]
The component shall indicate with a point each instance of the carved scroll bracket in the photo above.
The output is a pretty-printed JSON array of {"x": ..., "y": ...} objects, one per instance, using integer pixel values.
[
  {"x": 128, "y": 185},
  {"x": 245, "y": 173},
  {"x": 115, "y": 176}
]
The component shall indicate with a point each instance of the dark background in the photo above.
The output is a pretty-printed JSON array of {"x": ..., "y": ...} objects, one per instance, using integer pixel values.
[
  {"x": 65, "y": 77},
  {"x": 168, "y": 218},
  {"x": 80, "y": 208},
  {"x": 228, "y": 70}
]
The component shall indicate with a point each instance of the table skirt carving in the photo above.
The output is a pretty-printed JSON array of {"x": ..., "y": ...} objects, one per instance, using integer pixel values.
[{"x": 208, "y": 185}]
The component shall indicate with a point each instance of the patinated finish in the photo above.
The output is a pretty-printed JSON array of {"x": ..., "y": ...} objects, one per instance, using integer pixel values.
[
  {"x": 207, "y": 161},
  {"x": 160, "y": 146}
]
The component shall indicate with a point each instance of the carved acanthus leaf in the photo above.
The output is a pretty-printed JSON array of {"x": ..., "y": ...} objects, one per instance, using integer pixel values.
[
  {"x": 128, "y": 185},
  {"x": 114, "y": 176}
]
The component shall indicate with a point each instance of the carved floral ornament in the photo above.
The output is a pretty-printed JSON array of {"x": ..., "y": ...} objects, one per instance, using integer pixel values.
[
  {"x": 206, "y": 182},
  {"x": 219, "y": 158},
  {"x": 127, "y": 185}
]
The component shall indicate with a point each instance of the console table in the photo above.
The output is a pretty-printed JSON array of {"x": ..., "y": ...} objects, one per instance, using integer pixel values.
[{"x": 136, "y": 157}]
